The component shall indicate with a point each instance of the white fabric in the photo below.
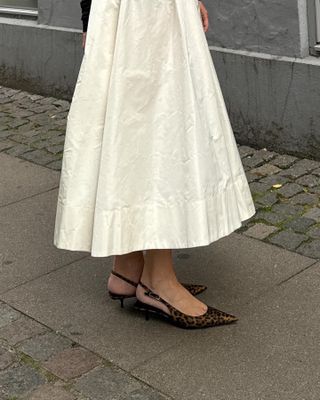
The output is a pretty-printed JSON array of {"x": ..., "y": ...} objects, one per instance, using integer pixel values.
[{"x": 150, "y": 159}]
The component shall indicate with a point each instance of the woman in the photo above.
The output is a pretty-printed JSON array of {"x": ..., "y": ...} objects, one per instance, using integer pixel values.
[{"x": 150, "y": 160}]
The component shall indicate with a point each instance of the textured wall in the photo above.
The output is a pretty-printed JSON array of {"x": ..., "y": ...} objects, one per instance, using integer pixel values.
[
  {"x": 64, "y": 13},
  {"x": 272, "y": 102},
  {"x": 39, "y": 59},
  {"x": 267, "y": 26}
]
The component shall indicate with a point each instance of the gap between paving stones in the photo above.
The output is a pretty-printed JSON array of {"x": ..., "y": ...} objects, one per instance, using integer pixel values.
[{"x": 29, "y": 197}]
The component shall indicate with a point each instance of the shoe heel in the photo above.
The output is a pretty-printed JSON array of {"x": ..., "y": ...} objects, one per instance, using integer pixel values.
[{"x": 117, "y": 297}]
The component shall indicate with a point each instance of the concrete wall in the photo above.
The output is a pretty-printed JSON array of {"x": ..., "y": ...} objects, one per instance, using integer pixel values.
[
  {"x": 267, "y": 26},
  {"x": 39, "y": 59},
  {"x": 272, "y": 101},
  {"x": 63, "y": 13}
]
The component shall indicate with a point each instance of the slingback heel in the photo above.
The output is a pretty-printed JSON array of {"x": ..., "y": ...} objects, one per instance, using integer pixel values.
[
  {"x": 122, "y": 297},
  {"x": 192, "y": 288},
  {"x": 212, "y": 317}
]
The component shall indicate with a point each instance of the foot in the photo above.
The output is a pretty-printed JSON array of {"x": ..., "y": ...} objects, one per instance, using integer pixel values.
[
  {"x": 130, "y": 266},
  {"x": 174, "y": 293}
]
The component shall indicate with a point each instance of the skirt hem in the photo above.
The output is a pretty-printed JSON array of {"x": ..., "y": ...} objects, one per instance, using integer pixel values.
[{"x": 156, "y": 244}]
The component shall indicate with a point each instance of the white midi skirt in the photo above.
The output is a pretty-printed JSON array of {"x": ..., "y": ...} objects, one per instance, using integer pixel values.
[{"x": 150, "y": 160}]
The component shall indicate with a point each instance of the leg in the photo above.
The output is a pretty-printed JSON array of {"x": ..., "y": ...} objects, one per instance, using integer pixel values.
[
  {"x": 130, "y": 265},
  {"x": 159, "y": 275}
]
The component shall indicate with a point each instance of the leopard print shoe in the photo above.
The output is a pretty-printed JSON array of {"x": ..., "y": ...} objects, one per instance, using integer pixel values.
[
  {"x": 192, "y": 288},
  {"x": 212, "y": 317}
]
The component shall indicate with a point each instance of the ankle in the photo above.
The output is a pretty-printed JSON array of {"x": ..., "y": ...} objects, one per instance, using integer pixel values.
[
  {"x": 131, "y": 263},
  {"x": 159, "y": 282}
]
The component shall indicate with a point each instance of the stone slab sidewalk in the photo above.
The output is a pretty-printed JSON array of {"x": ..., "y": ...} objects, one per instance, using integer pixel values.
[{"x": 62, "y": 338}]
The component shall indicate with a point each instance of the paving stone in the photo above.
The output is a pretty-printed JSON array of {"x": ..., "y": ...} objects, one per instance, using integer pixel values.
[
  {"x": 290, "y": 189},
  {"x": 41, "y": 119},
  {"x": 268, "y": 199},
  {"x": 22, "y": 138},
  {"x": 63, "y": 103},
  {"x": 266, "y": 154},
  {"x": 7, "y": 314},
  {"x": 29, "y": 132},
  {"x": 5, "y": 101},
  {"x": 293, "y": 172},
  {"x": 268, "y": 216},
  {"x": 316, "y": 172},
  {"x": 17, "y": 381},
  {"x": 18, "y": 150},
  {"x": 309, "y": 180},
  {"x": 11, "y": 92},
  {"x": 246, "y": 151},
  {"x": 43, "y": 108},
  {"x": 35, "y": 97},
  {"x": 102, "y": 380},
  {"x": 287, "y": 209},
  {"x": 273, "y": 180},
  {"x": 305, "y": 199},
  {"x": 58, "y": 148},
  {"x": 44, "y": 346},
  {"x": 283, "y": 160},
  {"x": 61, "y": 115},
  {"x": 288, "y": 239},
  {"x": 260, "y": 231},
  {"x": 251, "y": 177},
  {"x": 7, "y": 144},
  {"x": 47, "y": 100},
  {"x": 258, "y": 187},
  {"x": 19, "y": 95},
  {"x": 21, "y": 329},
  {"x": 301, "y": 224},
  {"x": 56, "y": 165},
  {"x": 6, "y": 358},
  {"x": 314, "y": 232},
  {"x": 4, "y": 134},
  {"x": 310, "y": 249},
  {"x": 266, "y": 169},
  {"x": 56, "y": 140},
  {"x": 313, "y": 213},
  {"x": 39, "y": 156},
  {"x": 41, "y": 144},
  {"x": 4, "y": 120},
  {"x": 17, "y": 122},
  {"x": 315, "y": 189},
  {"x": 144, "y": 394},
  {"x": 72, "y": 363},
  {"x": 50, "y": 392},
  {"x": 308, "y": 164},
  {"x": 252, "y": 161},
  {"x": 23, "y": 113},
  {"x": 30, "y": 129}
]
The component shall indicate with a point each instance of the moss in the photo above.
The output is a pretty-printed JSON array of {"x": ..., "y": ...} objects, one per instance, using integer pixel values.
[{"x": 25, "y": 359}]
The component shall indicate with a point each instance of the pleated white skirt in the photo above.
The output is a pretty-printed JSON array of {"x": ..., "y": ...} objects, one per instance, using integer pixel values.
[{"x": 150, "y": 159}]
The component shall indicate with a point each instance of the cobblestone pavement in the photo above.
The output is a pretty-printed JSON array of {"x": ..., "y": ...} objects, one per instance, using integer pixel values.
[
  {"x": 286, "y": 189},
  {"x": 37, "y": 363}
]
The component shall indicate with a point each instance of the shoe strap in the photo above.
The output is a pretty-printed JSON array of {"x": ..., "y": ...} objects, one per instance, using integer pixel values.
[
  {"x": 153, "y": 295},
  {"x": 124, "y": 278}
]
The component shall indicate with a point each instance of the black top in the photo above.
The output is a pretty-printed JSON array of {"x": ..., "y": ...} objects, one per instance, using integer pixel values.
[{"x": 85, "y": 7}]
